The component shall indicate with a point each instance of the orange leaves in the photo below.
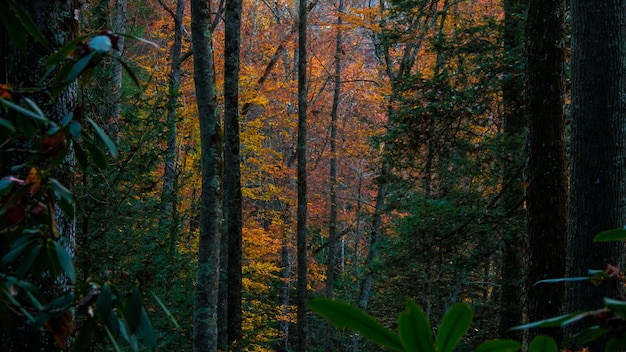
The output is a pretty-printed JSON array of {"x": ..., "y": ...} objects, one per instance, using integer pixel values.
[{"x": 5, "y": 92}]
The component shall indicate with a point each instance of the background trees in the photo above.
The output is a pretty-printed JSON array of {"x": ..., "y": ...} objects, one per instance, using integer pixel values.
[{"x": 413, "y": 162}]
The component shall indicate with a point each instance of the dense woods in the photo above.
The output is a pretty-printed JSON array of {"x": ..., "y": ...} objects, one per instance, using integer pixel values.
[{"x": 188, "y": 175}]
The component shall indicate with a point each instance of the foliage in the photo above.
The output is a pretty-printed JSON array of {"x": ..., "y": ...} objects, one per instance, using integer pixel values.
[
  {"x": 37, "y": 251},
  {"x": 414, "y": 329}
]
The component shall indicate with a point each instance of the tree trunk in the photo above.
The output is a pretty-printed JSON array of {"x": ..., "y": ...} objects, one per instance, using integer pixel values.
[
  {"x": 546, "y": 193},
  {"x": 368, "y": 279},
  {"x": 332, "y": 221},
  {"x": 511, "y": 307},
  {"x": 24, "y": 69},
  {"x": 232, "y": 167},
  {"x": 598, "y": 120},
  {"x": 205, "y": 311},
  {"x": 301, "y": 151}
]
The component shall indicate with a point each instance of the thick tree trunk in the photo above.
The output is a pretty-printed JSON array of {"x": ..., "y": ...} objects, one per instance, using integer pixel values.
[
  {"x": 205, "y": 311},
  {"x": 546, "y": 194},
  {"x": 24, "y": 69},
  {"x": 598, "y": 123},
  {"x": 511, "y": 307},
  {"x": 301, "y": 151},
  {"x": 232, "y": 169}
]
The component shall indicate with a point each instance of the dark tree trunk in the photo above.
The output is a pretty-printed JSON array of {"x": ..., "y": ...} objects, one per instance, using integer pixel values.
[
  {"x": 546, "y": 194},
  {"x": 598, "y": 122},
  {"x": 24, "y": 69},
  {"x": 207, "y": 283},
  {"x": 301, "y": 151},
  {"x": 232, "y": 173},
  {"x": 511, "y": 308}
]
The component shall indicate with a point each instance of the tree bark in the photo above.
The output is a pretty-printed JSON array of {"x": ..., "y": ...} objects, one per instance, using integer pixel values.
[
  {"x": 598, "y": 120},
  {"x": 207, "y": 283},
  {"x": 301, "y": 151},
  {"x": 511, "y": 307},
  {"x": 546, "y": 193},
  {"x": 24, "y": 69},
  {"x": 232, "y": 169}
]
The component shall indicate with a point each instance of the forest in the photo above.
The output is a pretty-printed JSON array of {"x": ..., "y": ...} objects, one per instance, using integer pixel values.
[{"x": 345, "y": 175}]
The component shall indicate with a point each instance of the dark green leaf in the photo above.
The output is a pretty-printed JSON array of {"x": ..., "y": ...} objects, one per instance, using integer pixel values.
[
  {"x": 66, "y": 262},
  {"x": 79, "y": 67},
  {"x": 83, "y": 340},
  {"x": 132, "y": 310},
  {"x": 67, "y": 207},
  {"x": 13, "y": 29},
  {"x": 7, "y": 124},
  {"x": 112, "y": 339},
  {"x": 5, "y": 186},
  {"x": 105, "y": 138},
  {"x": 453, "y": 326},
  {"x": 543, "y": 343},
  {"x": 615, "y": 345},
  {"x": 37, "y": 111},
  {"x": 16, "y": 250},
  {"x": 343, "y": 315},
  {"x": 60, "y": 190},
  {"x": 99, "y": 158},
  {"x": 172, "y": 318},
  {"x": 53, "y": 262},
  {"x": 62, "y": 54},
  {"x": 104, "y": 304},
  {"x": 499, "y": 346},
  {"x": 130, "y": 72},
  {"x": 414, "y": 329},
  {"x": 148, "y": 336},
  {"x": 611, "y": 235},
  {"x": 27, "y": 22},
  {"x": 588, "y": 335},
  {"x": 81, "y": 156},
  {"x": 22, "y": 110},
  {"x": 29, "y": 259}
]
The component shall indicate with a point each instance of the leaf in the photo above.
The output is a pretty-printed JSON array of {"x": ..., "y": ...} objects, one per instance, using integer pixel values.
[
  {"x": 167, "y": 312},
  {"x": 16, "y": 250},
  {"x": 62, "y": 54},
  {"x": 104, "y": 304},
  {"x": 415, "y": 330},
  {"x": 132, "y": 311},
  {"x": 66, "y": 262},
  {"x": 130, "y": 36},
  {"x": 454, "y": 325},
  {"x": 499, "y": 346},
  {"x": 543, "y": 343},
  {"x": 13, "y": 30},
  {"x": 78, "y": 67},
  {"x": 22, "y": 110},
  {"x": 615, "y": 345},
  {"x": 344, "y": 315},
  {"x": 110, "y": 335},
  {"x": 37, "y": 110},
  {"x": 7, "y": 125},
  {"x": 559, "y": 321},
  {"x": 75, "y": 129},
  {"x": 611, "y": 235},
  {"x": 83, "y": 340},
  {"x": 562, "y": 279},
  {"x": 146, "y": 331},
  {"x": 129, "y": 71},
  {"x": 28, "y": 261},
  {"x": 81, "y": 156},
  {"x": 105, "y": 138},
  {"x": 60, "y": 190},
  {"x": 99, "y": 158},
  {"x": 27, "y": 22}
]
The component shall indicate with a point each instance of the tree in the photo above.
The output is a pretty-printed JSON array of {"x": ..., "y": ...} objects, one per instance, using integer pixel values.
[
  {"x": 597, "y": 174},
  {"x": 205, "y": 313},
  {"x": 301, "y": 151},
  {"x": 511, "y": 310},
  {"x": 232, "y": 173}
]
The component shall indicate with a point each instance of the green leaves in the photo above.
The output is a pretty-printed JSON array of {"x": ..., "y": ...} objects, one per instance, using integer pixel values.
[
  {"x": 344, "y": 315},
  {"x": 611, "y": 235},
  {"x": 414, "y": 329}
]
